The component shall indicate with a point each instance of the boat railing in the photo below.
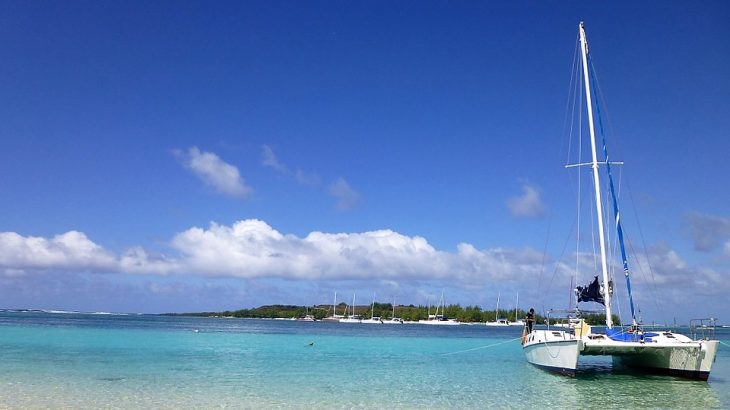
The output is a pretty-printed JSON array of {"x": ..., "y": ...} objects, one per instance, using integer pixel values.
[
  {"x": 702, "y": 329},
  {"x": 568, "y": 314}
]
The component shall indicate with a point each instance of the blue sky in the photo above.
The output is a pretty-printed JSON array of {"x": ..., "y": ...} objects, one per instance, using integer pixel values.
[{"x": 178, "y": 156}]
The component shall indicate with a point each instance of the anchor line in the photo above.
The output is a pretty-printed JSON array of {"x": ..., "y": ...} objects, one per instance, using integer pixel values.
[{"x": 482, "y": 347}]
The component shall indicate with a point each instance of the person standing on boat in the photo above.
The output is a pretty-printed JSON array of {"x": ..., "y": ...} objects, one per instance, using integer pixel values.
[{"x": 530, "y": 320}]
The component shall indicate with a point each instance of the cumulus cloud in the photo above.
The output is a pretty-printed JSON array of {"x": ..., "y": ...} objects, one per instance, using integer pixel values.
[
  {"x": 708, "y": 231},
  {"x": 253, "y": 249},
  {"x": 527, "y": 205},
  {"x": 346, "y": 197},
  {"x": 212, "y": 170},
  {"x": 665, "y": 277},
  {"x": 69, "y": 251}
]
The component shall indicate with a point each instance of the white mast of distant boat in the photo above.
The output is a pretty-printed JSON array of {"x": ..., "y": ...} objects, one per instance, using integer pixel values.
[
  {"x": 596, "y": 179},
  {"x": 496, "y": 313}
]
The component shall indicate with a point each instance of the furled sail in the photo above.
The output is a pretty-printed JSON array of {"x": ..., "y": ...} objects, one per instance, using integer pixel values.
[{"x": 590, "y": 292}]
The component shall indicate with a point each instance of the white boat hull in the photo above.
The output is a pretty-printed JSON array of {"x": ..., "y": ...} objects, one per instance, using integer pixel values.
[
  {"x": 393, "y": 322},
  {"x": 552, "y": 351},
  {"x": 372, "y": 322},
  {"x": 668, "y": 353},
  {"x": 439, "y": 322}
]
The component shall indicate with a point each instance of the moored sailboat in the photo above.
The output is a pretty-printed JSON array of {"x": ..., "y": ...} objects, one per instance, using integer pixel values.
[
  {"x": 394, "y": 320},
  {"x": 352, "y": 317},
  {"x": 373, "y": 319},
  {"x": 439, "y": 319},
  {"x": 497, "y": 320},
  {"x": 655, "y": 351}
]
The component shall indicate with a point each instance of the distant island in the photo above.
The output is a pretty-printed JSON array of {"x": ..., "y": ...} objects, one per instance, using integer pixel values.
[{"x": 468, "y": 314}]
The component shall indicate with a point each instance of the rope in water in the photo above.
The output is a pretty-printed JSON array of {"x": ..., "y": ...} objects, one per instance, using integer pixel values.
[
  {"x": 482, "y": 347},
  {"x": 724, "y": 343}
]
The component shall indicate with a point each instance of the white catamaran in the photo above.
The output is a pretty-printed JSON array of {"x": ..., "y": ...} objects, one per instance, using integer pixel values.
[{"x": 654, "y": 351}]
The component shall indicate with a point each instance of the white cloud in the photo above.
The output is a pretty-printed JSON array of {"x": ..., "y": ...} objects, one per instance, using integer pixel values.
[
  {"x": 269, "y": 159},
  {"x": 69, "y": 251},
  {"x": 138, "y": 260},
  {"x": 346, "y": 197},
  {"x": 212, "y": 170},
  {"x": 527, "y": 205},
  {"x": 253, "y": 249}
]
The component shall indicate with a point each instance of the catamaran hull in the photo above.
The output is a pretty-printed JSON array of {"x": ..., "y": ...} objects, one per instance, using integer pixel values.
[
  {"x": 544, "y": 350},
  {"x": 693, "y": 362}
]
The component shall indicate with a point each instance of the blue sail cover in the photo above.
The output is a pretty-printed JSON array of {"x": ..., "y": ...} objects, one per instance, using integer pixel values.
[
  {"x": 621, "y": 335},
  {"x": 590, "y": 292}
]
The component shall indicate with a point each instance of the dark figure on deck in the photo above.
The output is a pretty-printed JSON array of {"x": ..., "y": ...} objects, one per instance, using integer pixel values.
[{"x": 530, "y": 320}]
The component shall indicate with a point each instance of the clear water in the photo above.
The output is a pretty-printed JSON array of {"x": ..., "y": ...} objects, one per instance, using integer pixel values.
[{"x": 100, "y": 361}]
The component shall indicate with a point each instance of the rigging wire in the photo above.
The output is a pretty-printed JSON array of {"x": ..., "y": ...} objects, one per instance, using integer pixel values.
[
  {"x": 572, "y": 87},
  {"x": 568, "y": 128},
  {"x": 578, "y": 194}
]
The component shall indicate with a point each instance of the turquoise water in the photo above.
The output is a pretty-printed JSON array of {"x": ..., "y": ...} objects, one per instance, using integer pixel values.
[{"x": 93, "y": 361}]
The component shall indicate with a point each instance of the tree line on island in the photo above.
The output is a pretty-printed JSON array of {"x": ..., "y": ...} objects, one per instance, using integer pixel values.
[{"x": 468, "y": 314}]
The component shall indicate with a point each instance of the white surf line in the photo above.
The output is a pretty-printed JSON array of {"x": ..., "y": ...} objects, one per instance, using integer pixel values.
[{"x": 482, "y": 347}]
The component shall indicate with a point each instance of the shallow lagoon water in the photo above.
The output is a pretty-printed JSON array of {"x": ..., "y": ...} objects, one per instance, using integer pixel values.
[{"x": 92, "y": 361}]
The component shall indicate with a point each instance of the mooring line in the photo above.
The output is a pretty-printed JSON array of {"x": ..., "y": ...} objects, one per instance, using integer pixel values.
[
  {"x": 724, "y": 343},
  {"x": 482, "y": 347}
]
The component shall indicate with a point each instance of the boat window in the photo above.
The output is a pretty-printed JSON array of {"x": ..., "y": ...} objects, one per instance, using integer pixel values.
[{"x": 556, "y": 334}]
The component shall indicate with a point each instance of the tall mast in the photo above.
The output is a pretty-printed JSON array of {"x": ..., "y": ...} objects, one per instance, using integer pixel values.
[
  {"x": 334, "y": 306},
  {"x": 496, "y": 313},
  {"x": 596, "y": 180}
]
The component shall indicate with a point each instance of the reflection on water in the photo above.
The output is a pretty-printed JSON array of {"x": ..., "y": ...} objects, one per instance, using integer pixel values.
[{"x": 598, "y": 385}]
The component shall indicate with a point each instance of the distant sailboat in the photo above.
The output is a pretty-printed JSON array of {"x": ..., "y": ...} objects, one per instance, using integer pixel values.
[
  {"x": 335, "y": 317},
  {"x": 518, "y": 321},
  {"x": 307, "y": 317},
  {"x": 656, "y": 351},
  {"x": 394, "y": 320},
  {"x": 439, "y": 319},
  {"x": 373, "y": 319},
  {"x": 352, "y": 318},
  {"x": 497, "y": 320}
]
